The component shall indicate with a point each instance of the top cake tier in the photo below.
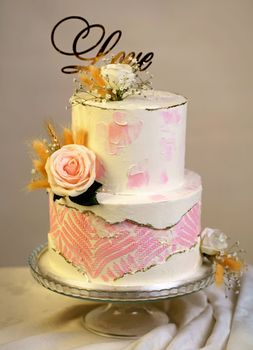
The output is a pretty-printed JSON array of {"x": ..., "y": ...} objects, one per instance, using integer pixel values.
[{"x": 139, "y": 142}]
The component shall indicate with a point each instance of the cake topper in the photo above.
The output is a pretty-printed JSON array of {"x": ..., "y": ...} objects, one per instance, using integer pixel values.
[{"x": 104, "y": 45}]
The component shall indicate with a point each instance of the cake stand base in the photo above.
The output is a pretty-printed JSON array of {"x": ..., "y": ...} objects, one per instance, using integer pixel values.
[
  {"x": 124, "y": 320},
  {"x": 124, "y": 314}
]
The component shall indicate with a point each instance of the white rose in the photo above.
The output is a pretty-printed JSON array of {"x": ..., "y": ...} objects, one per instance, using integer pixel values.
[
  {"x": 213, "y": 241},
  {"x": 118, "y": 76}
]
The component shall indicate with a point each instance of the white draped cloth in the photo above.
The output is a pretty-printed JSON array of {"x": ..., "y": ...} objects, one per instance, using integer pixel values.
[{"x": 33, "y": 318}]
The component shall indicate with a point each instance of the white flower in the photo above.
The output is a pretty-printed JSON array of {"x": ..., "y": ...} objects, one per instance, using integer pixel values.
[
  {"x": 213, "y": 241},
  {"x": 118, "y": 76}
]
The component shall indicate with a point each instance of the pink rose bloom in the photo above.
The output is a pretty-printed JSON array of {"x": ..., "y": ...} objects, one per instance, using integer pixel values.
[{"x": 71, "y": 170}]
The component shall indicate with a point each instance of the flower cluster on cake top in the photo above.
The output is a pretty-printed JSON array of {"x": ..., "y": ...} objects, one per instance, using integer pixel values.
[{"x": 113, "y": 81}]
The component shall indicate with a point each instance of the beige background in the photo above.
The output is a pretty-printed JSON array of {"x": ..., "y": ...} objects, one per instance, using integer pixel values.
[{"x": 203, "y": 49}]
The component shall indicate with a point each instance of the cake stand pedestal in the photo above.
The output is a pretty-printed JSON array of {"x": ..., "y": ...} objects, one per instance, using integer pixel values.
[{"x": 126, "y": 313}]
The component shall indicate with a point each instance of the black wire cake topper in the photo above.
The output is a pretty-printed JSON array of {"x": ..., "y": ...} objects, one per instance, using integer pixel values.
[{"x": 107, "y": 44}]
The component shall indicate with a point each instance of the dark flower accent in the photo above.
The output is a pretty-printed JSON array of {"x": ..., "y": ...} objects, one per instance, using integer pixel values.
[{"x": 87, "y": 198}]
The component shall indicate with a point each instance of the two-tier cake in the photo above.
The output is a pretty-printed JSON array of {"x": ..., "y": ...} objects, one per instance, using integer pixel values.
[
  {"x": 124, "y": 212},
  {"x": 145, "y": 228}
]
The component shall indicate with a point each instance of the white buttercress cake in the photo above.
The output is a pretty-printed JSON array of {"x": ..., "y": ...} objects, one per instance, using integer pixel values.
[
  {"x": 124, "y": 212},
  {"x": 145, "y": 228}
]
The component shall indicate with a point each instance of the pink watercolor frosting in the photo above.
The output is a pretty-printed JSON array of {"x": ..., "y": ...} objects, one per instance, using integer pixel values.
[
  {"x": 171, "y": 116},
  {"x": 138, "y": 176},
  {"x": 164, "y": 177},
  {"x": 121, "y": 133},
  {"x": 167, "y": 147},
  {"x": 138, "y": 180}
]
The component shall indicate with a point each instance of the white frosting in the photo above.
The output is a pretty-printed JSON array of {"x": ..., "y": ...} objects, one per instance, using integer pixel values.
[
  {"x": 158, "y": 210},
  {"x": 180, "y": 266},
  {"x": 140, "y": 141},
  {"x": 140, "y": 146}
]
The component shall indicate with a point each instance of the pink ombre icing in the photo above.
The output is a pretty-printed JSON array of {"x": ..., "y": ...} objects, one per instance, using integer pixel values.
[
  {"x": 109, "y": 251},
  {"x": 121, "y": 133}
]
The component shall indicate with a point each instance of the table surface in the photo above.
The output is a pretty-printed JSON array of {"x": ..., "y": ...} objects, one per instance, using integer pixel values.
[{"x": 32, "y": 317}]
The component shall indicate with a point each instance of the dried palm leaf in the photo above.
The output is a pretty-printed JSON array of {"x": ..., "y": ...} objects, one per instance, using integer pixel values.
[
  {"x": 41, "y": 150},
  {"x": 67, "y": 136},
  {"x": 97, "y": 78},
  {"x": 86, "y": 81},
  {"x": 38, "y": 184},
  {"x": 219, "y": 274},
  {"x": 39, "y": 166},
  {"x": 54, "y": 138},
  {"x": 81, "y": 137},
  {"x": 232, "y": 264}
]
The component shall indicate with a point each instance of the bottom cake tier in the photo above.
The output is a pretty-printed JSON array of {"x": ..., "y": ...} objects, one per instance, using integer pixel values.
[{"x": 128, "y": 240}]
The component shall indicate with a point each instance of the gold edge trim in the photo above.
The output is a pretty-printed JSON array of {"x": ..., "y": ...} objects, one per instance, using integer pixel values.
[
  {"x": 77, "y": 267},
  {"x": 78, "y": 101},
  {"x": 118, "y": 222},
  {"x": 166, "y": 259}
]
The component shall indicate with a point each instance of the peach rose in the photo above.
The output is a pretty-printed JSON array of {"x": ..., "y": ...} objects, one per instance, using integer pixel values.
[{"x": 71, "y": 170}]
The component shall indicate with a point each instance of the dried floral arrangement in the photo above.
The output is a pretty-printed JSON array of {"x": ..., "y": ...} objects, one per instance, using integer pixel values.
[
  {"x": 65, "y": 165},
  {"x": 227, "y": 261}
]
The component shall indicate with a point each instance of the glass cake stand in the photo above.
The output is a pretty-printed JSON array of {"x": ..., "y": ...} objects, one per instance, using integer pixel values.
[{"x": 126, "y": 313}]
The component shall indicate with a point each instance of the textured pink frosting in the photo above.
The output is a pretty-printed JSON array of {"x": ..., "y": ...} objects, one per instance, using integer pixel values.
[{"x": 109, "y": 251}]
